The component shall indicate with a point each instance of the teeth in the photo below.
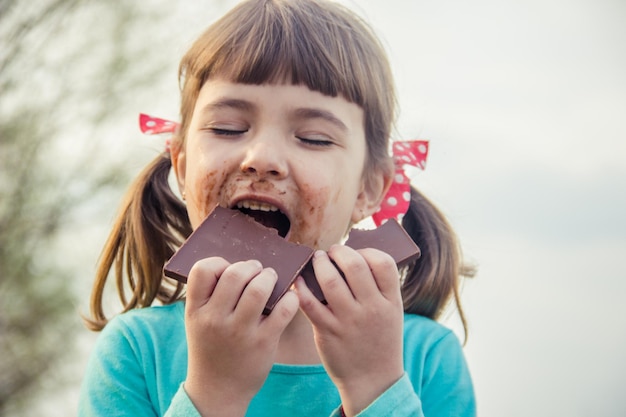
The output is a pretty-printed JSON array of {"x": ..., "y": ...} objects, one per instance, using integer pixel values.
[{"x": 256, "y": 205}]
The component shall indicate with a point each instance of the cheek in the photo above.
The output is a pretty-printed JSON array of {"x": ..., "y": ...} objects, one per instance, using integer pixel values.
[
  {"x": 321, "y": 220},
  {"x": 206, "y": 191},
  {"x": 310, "y": 215}
]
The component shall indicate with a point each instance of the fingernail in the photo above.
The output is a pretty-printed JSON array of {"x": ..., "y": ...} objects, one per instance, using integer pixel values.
[{"x": 298, "y": 282}]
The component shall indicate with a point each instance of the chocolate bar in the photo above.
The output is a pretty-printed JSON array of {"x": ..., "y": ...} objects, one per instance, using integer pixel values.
[
  {"x": 237, "y": 237},
  {"x": 389, "y": 237}
]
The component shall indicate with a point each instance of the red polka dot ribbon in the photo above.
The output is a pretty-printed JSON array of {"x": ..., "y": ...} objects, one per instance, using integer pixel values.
[
  {"x": 153, "y": 126},
  {"x": 396, "y": 202}
]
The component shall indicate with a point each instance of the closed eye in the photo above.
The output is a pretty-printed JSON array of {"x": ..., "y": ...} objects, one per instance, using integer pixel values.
[
  {"x": 226, "y": 132},
  {"x": 315, "y": 142}
]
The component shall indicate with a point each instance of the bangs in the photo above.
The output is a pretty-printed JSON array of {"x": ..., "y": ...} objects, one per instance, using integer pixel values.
[
  {"x": 299, "y": 58},
  {"x": 286, "y": 41}
]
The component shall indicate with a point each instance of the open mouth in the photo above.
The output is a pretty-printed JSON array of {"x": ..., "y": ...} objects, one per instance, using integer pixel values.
[{"x": 267, "y": 215}]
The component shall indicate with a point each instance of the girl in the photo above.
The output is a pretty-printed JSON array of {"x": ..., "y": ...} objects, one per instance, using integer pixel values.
[{"x": 287, "y": 109}]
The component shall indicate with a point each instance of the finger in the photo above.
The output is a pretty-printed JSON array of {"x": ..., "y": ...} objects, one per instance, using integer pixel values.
[
  {"x": 255, "y": 295},
  {"x": 202, "y": 280},
  {"x": 314, "y": 309},
  {"x": 356, "y": 271},
  {"x": 282, "y": 313},
  {"x": 385, "y": 272},
  {"x": 232, "y": 283},
  {"x": 330, "y": 279}
]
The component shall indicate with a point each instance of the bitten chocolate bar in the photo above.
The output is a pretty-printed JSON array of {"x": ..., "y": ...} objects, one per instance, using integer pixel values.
[
  {"x": 389, "y": 237},
  {"x": 237, "y": 237}
]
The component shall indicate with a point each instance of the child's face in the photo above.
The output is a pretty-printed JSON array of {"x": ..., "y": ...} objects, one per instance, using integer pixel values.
[{"x": 277, "y": 147}]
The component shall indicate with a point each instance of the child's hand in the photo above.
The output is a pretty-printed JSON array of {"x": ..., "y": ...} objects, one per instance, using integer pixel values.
[
  {"x": 359, "y": 333},
  {"x": 231, "y": 344}
]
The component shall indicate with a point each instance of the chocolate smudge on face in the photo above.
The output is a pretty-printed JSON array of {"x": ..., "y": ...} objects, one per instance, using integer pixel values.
[
  {"x": 307, "y": 208},
  {"x": 210, "y": 193}
]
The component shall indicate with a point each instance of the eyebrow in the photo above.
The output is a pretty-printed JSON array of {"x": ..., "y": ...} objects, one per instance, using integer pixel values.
[
  {"x": 230, "y": 103},
  {"x": 313, "y": 113},
  {"x": 299, "y": 113}
]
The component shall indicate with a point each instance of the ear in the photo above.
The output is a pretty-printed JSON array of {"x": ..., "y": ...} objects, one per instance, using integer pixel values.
[
  {"x": 375, "y": 186},
  {"x": 179, "y": 164}
]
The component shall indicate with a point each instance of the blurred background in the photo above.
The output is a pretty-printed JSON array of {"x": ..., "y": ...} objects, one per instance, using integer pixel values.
[{"x": 524, "y": 104}]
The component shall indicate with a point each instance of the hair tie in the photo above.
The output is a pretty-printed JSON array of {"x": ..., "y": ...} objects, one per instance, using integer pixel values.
[
  {"x": 153, "y": 126},
  {"x": 396, "y": 202}
]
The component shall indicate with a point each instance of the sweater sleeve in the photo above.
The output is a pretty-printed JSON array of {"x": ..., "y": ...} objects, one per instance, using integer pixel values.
[
  {"x": 181, "y": 405},
  {"x": 399, "y": 400},
  {"x": 115, "y": 382},
  {"x": 439, "y": 387},
  {"x": 447, "y": 389}
]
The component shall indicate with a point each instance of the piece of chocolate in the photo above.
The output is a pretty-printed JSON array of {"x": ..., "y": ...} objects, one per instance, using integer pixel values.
[
  {"x": 389, "y": 237},
  {"x": 237, "y": 237}
]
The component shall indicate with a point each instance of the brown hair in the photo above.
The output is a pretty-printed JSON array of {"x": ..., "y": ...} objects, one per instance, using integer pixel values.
[
  {"x": 319, "y": 44},
  {"x": 433, "y": 280}
]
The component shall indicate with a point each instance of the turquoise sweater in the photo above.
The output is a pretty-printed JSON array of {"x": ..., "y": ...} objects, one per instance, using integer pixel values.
[{"x": 140, "y": 362}]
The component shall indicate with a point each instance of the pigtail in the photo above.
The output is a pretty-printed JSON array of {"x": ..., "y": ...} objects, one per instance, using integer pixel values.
[
  {"x": 152, "y": 223},
  {"x": 433, "y": 280}
]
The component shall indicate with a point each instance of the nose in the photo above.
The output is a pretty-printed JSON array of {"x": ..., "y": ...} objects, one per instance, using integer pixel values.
[{"x": 264, "y": 160}]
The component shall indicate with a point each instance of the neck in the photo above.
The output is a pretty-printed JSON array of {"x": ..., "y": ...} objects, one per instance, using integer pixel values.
[{"x": 297, "y": 344}]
